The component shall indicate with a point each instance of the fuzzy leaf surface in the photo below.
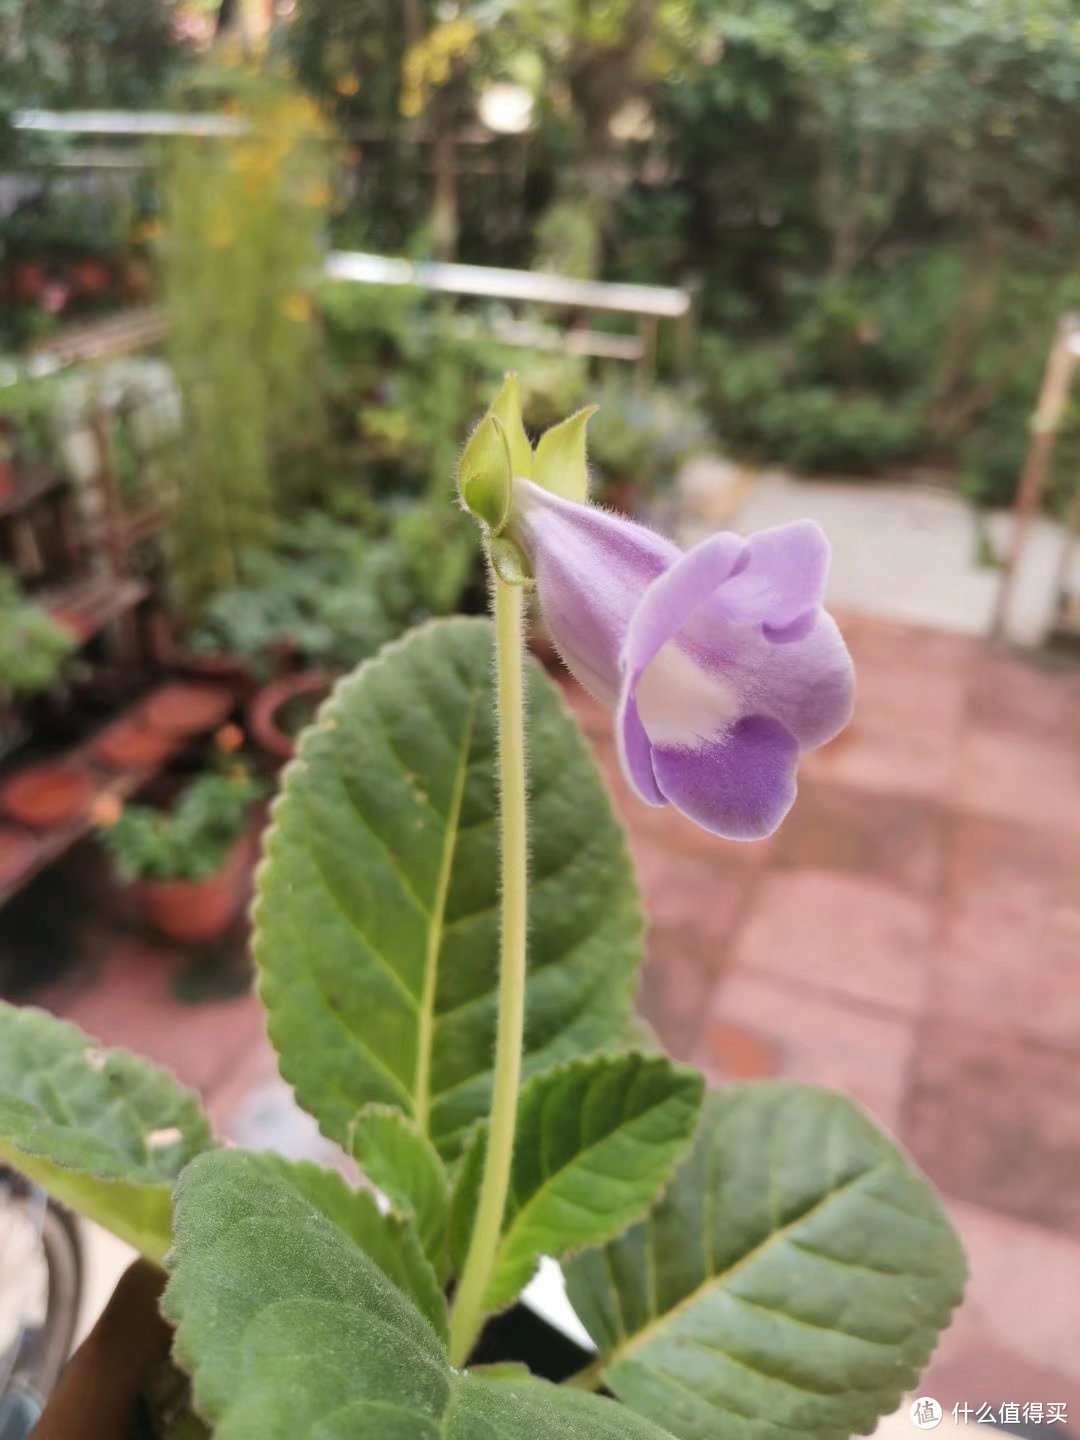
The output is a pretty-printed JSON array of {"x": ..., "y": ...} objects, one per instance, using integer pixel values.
[
  {"x": 793, "y": 1279},
  {"x": 377, "y": 914},
  {"x": 402, "y": 1162},
  {"x": 289, "y": 1329},
  {"x": 104, "y": 1131},
  {"x": 596, "y": 1141}
]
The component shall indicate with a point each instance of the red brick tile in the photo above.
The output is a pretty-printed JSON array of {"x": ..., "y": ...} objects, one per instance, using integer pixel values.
[
  {"x": 996, "y": 1121},
  {"x": 1033, "y": 695},
  {"x": 849, "y": 935},
  {"x": 898, "y": 839},
  {"x": 692, "y": 902},
  {"x": 815, "y": 1038},
  {"x": 1009, "y": 958},
  {"x": 1024, "y": 1289},
  {"x": 128, "y": 1002},
  {"x": 1002, "y": 773}
]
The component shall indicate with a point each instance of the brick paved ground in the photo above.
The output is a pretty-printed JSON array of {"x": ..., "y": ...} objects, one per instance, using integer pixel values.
[{"x": 912, "y": 936}]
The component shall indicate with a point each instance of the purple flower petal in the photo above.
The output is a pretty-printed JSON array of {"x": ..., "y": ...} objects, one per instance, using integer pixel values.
[
  {"x": 740, "y": 786},
  {"x": 783, "y": 581},
  {"x": 722, "y": 662},
  {"x": 635, "y": 752},
  {"x": 808, "y": 685},
  {"x": 591, "y": 569}
]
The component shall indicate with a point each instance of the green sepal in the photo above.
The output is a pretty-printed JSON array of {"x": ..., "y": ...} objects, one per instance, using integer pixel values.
[
  {"x": 559, "y": 464},
  {"x": 509, "y": 561},
  {"x": 484, "y": 474},
  {"x": 506, "y": 409}
]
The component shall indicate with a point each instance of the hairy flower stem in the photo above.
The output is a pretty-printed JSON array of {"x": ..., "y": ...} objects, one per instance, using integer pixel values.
[{"x": 468, "y": 1310}]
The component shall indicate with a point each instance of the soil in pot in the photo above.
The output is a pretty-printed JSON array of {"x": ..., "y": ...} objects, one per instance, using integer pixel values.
[
  {"x": 194, "y": 912},
  {"x": 17, "y": 850},
  {"x": 132, "y": 745},
  {"x": 187, "y": 709},
  {"x": 48, "y": 796}
]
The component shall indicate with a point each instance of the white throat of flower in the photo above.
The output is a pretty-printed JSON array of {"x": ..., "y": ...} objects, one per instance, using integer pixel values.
[{"x": 681, "y": 704}]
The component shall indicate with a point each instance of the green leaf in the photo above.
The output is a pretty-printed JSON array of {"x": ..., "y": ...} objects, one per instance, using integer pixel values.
[
  {"x": 559, "y": 464},
  {"x": 596, "y": 1140},
  {"x": 793, "y": 1280},
  {"x": 396, "y": 1156},
  {"x": 376, "y": 925},
  {"x": 484, "y": 476},
  {"x": 289, "y": 1329},
  {"x": 509, "y": 561},
  {"x": 506, "y": 408},
  {"x": 103, "y": 1130},
  {"x": 390, "y": 1240}
]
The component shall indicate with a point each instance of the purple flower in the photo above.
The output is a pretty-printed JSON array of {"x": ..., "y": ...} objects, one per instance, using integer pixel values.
[{"x": 720, "y": 662}]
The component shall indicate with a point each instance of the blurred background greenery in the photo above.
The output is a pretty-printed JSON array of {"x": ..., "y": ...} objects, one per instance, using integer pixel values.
[{"x": 875, "y": 206}]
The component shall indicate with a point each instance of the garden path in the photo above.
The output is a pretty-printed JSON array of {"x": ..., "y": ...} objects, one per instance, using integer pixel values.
[{"x": 904, "y": 551}]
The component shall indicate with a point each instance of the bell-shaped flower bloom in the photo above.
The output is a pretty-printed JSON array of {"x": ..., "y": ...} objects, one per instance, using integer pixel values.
[{"x": 720, "y": 662}]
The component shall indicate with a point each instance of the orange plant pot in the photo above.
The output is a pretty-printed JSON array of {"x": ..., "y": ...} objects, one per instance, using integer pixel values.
[{"x": 193, "y": 912}]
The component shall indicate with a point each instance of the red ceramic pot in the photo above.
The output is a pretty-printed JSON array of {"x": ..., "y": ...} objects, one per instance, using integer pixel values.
[
  {"x": 193, "y": 912},
  {"x": 132, "y": 745},
  {"x": 187, "y": 709},
  {"x": 265, "y": 713},
  {"x": 18, "y": 848},
  {"x": 47, "y": 797}
]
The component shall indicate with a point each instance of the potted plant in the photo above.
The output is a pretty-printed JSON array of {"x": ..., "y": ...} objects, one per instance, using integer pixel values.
[
  {"x": 447, "y": 956},
  {"x": 186, "y": 866}
]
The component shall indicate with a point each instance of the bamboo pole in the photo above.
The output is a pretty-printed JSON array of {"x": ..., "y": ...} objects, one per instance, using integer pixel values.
[{"x": 1045, "y": 425}]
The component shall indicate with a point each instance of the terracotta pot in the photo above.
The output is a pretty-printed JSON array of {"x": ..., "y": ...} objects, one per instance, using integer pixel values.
[
  {"x": 7, "y": 473},
  {"x": 31, "y": 277},
  {"x": 17, "y": 850},
  {"x": 187, "y": 709},
  {"x": 265, "y": 711},
  {"x": 193, "y": 912},
  {"x": 47, "y": 797},
  {"x": 132, "y": 745},
  {"x": 91, "y": 277}
]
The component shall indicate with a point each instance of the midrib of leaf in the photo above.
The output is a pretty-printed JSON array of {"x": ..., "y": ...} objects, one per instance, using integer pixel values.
[
  {"x": 578, "y": 1158},
  {"x": 721, "y": 1277},
  {"x": 436, "y": 925}
]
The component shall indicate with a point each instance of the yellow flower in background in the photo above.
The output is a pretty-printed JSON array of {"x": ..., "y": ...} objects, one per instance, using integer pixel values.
[
  {"x": 222, "y": 232},
  {"x": 297, "y": 307},
  {"x": 348, "y": 84},
  {"x": 319, "y": 195},
  {"x": 106, "y": 810},
  {"x": 148, "y": 230}
]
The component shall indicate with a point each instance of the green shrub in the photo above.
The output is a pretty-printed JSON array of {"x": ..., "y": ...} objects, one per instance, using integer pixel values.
[
  {"x": 33, "y": 647},
  {"x": 331, "y": 595},
  {"x": 645, "y": 435},
  {"x": 761, "y": 407}
]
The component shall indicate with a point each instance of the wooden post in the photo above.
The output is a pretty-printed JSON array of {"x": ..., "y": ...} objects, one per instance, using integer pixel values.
[
  {"x": 647, "y": 363},
  {"x": 686, "y": 340},
  {"x": 1062, "y": 613},
  {"x": 1045, "y": 424}
]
